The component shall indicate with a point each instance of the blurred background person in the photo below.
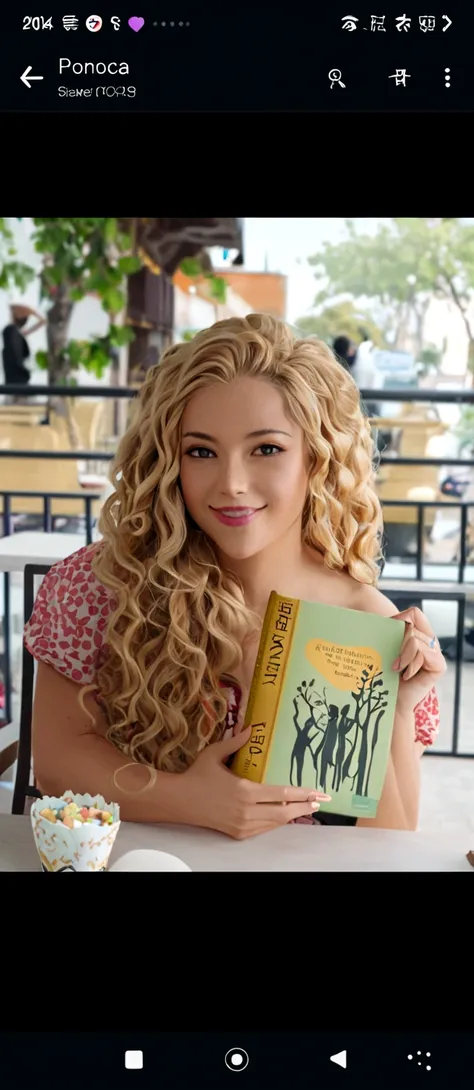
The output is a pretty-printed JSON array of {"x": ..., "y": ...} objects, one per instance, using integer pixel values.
[
  {"x": 15, "y": 347},
  {"x": 346, "y": 351},
  {"x": 364, "y": 371}
]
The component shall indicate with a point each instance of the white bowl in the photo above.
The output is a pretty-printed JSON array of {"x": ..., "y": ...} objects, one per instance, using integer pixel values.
[{"x": 146, "y": 859}]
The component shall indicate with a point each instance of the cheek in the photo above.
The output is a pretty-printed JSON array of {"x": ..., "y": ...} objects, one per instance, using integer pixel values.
[
  {"x": 195, "y": 481},
  {"x": 290, "y": 483}
]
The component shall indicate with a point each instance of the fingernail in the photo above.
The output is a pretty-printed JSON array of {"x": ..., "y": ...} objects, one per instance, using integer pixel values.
[
  {"x": 315, "y": 805},
  {"x": 396, "y": 664}
]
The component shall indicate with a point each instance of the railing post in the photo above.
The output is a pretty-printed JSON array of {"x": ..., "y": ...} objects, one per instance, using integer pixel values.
[
  {"x": 47, "y": 522},
  {"x": 458, "y": 671},
  {"x": 463, "y": 543},
  {"x": 420, "y": 528},
  {"x": 7, "y": 514},
  {"x": 88, "y": 505},
  {"x": 7, "y": 672}
]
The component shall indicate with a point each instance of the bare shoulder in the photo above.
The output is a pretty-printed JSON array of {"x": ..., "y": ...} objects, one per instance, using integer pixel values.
[
  {"x": 369, "y": 599},
  {"x": 338, "y": 588}
]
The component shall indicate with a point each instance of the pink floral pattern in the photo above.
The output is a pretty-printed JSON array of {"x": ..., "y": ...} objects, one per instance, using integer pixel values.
[
  {"x": 427, "y": 719},
  {"x": 66, "y": 628},
  {"x": 69, "y": 619}
]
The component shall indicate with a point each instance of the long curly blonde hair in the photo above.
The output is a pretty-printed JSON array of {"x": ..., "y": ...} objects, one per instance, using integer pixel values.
[{"x": 180, "y": 621}]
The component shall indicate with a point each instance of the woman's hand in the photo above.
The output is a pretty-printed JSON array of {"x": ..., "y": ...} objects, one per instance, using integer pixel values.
[
  {"x": 420, "y": 663},
  {"x": 214, "y": 798}
]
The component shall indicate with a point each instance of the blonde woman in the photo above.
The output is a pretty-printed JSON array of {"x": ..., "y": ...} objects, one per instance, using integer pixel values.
[{"x": 248, "y": 467}]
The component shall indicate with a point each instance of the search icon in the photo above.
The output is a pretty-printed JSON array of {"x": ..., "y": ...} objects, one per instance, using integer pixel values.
[{"x": 336, "y": 76}]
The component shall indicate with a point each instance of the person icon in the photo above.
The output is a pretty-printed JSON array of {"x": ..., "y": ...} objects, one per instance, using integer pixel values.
[{"x": 335, "y": 75}]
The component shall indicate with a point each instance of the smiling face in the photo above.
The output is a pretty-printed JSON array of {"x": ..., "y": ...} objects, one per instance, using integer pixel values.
[{"x": 243, "y": 466}]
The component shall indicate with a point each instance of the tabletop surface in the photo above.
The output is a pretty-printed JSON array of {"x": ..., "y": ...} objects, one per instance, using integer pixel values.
[
  {"x": 291, "y": 848},
  {"x": 36, "y": 547}
]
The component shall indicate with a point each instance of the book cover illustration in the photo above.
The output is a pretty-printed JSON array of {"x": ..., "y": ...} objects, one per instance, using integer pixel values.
[{"x": 322, "y": 702}]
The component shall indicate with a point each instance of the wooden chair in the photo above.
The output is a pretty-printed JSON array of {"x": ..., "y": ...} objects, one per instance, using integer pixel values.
[
  {"x": 87, "y": 415},
  {"x": 42, "y": 475},
  {"x": 30, "y": 415},
  {"x": 19, "y": 436}
]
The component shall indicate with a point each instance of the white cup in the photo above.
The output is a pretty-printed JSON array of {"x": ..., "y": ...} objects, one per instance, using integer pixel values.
[{"x": 146, "y": 859}]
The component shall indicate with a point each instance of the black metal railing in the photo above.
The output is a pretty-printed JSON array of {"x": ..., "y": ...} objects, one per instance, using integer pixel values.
[
  {"x": 32, "y": 390},
  {"x": 421, "y": 506},
  {"x": 48, "y": 518}
]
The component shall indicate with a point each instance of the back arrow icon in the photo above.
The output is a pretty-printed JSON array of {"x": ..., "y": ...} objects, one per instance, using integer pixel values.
[
  {"x": 449, "y": 22},
  {"x": 25, "y": 78}
]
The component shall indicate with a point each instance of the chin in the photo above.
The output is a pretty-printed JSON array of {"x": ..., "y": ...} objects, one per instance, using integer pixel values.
[
  {"x": 234, "y": 549},
  {"x": 244, "y": 552}
]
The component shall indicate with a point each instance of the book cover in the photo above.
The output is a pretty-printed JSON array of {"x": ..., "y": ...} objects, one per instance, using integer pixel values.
[{"x": 322, "y": 702}]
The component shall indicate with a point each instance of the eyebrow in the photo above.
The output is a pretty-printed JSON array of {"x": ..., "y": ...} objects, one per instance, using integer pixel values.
[{"x": 251, "y": 434}]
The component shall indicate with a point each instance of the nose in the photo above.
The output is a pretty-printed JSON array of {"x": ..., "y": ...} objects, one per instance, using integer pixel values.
[{"x": 232, "y": 477}]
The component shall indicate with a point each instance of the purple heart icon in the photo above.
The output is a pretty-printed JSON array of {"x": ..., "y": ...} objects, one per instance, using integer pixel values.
[{"x": 136, "y": 23}]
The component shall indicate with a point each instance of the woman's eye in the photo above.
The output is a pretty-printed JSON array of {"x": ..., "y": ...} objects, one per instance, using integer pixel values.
[
  {"x": 199, "y": 452},
  {"x": 269, "y": 448}
]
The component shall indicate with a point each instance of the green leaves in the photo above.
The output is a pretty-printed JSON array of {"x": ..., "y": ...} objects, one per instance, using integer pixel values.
[
  {"x": 405, "y": 262},
  {"x": 129, "y": 265},
  {"x": 191, "y": 266},
  {"x": 113, "y": 300},
  {"x": 81, "y": 256},
  {"x": 42, "y": 360},
  {"x": 340, "y": 318},
  {"x": 120, "y": 335},
  {"x": 110, "y": 230},
  {"x": 196, "y": 268},
  {"x": 15, "y": 274},
  {"x": 218, "y": 287}
]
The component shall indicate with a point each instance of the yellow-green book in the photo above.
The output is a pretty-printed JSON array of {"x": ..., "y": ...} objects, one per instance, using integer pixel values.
[{"x": 322, "y": 702}]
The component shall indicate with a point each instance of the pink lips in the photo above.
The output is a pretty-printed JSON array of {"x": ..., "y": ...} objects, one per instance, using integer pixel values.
[{"x": 235, "y": 516}]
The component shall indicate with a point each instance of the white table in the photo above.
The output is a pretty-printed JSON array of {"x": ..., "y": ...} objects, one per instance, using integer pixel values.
[
  {"x": 292, "y": 848},
  {"x": 36, "y": 547}
]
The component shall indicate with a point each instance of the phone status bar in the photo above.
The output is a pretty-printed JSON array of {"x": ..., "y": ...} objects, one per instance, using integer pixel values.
[{"x": 96, "y": 23}]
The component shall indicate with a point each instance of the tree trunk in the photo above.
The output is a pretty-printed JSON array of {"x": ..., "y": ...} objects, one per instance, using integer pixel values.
[
  {"x": 402, "y": 328},
  {"x": 420, "y": 315},
  {"x": 57, "y": 335},
  {"x": 453, "y": 294},
  {"x": 470, "y": 360},
  {"x": 59, "y": 316}
]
